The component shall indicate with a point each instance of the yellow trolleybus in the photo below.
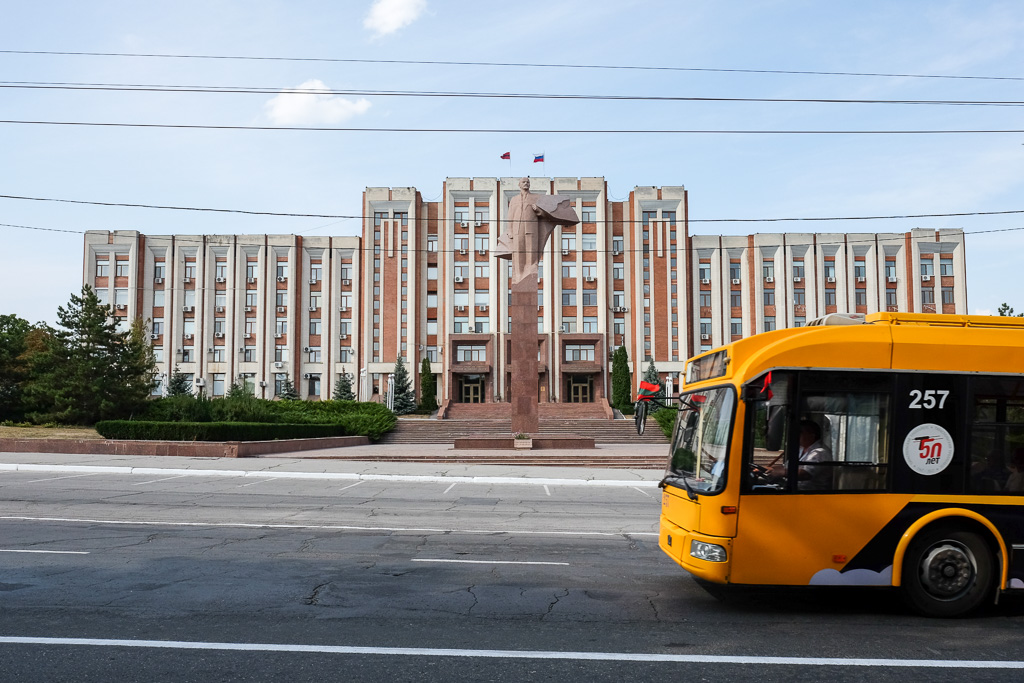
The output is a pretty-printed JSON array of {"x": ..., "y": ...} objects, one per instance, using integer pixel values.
[{"x": 885, "y": 450}]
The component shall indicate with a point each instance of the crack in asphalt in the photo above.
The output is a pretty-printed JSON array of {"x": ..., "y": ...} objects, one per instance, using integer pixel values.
[
  {"x": 314, "y": 598},
  {"x": 551, "y": 605}
]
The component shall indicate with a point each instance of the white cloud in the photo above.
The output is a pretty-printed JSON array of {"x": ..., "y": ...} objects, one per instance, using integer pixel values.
[
  {"x": 387, "y": 16},
  {"x": 293, "y": 109}
]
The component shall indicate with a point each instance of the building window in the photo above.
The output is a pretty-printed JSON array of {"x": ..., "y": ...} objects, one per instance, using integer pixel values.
[
  {"x": 590, "y": 324},
  {"x": 798, "y": 269},
  {"x": 617, "y": 244},
  {"x": 250, "y": 327},
  {"x": 313, "y": 356},
  {"x": 799, "y": 320},
  {"x": 860, "y": 296},
  {"x": 618, "y": 271},
  {"x": 947, "y": 295},
  {"x": 568, "y": 242},
  {"x": 474, "y": 352},
  {"x": 316, "y": 272},
  {"x": 188, "y": 327},
  {"x": 830, "y": 269},
  {"x": 279, "y": 381},
  {"x": 190, "y": 270},
  {"x": 704, "y": 271},
  {"x": 280, "y": 354},
  {"x": 705, "y": 327},
  {"x": 890, "y": 297},
  {"x": 431, "y": 243},
  {"x": 345, "y": 354},
  {"x": 798, "y": 297},
  {"x": 927, "y": 266},
  {"x": 220, "y": 270},
  {"x": 218, "y": 354},
  {"x": 250, "y": 298},
  {"x": 281, "y": 297},
  {"x": 314, "y": 326},
  {"x": 588, "y": 241},
  {"x": 282, "y": 270},
  {"x": 946, "y": 266},
  {"x": 569, "y": 270},
  {"x": 188, "y": 355},
  {"x": 568, "y": 297},
  {"x": 249, "y": 354},
  {"x": 735, "y": 327},
  {"x": 735, "y": 271},
  {"x": 313, "y": 386},
  {"x": 102, "y": 268},
  {"x": 251, "y": 271},
  {"x": 219, "y": 326},
  {"x": 735, "y": 299},
  {"x": 705, "y": 300},
  {"x": 122, "y": 269},
  {"x": 769, "y": 323},
  {"x": 890, "y": 269},
  {"x": 860, "y": 269},
  {"x": 158, "y": 270},
  {"x": 589, "y": 297},
  {"x": 281, "y": 326},
  {"x": 579, "y": 352},
  {"x": 830, "y": 297},
  {"x": 218, "y": 384},
  {"x": 769, "y": 297},
  {"x": 481, "y": 242},
  {"x": 768, "y": 269},
  {"x": 158, "y": 326},
  {"x": 588, "y": 214},
  {"x": 569, "y": 325},
  {"x": 460, "y": 325},
  {"x": 927, "y": 295},
  {"x": 618, "y": 299}
]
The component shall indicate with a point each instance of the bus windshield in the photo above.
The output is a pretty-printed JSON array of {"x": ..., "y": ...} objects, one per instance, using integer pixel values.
[{"x": 701, "y": 441}]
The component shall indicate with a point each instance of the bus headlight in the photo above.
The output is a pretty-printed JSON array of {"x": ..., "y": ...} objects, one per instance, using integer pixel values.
[{"x": 707, "y": 551}]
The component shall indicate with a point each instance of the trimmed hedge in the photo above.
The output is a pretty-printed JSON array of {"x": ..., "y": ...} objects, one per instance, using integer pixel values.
[{"x": 214, "y": 431}]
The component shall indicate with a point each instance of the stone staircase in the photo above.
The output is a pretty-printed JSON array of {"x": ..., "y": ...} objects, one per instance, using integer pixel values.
[{"x": 418, "y": 430}]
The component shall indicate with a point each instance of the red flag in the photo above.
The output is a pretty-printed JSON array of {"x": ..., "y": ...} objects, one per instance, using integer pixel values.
[{"x": 506, "y": 155}]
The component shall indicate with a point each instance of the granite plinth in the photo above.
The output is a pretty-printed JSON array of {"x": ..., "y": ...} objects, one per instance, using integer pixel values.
[{"x": 540, "y": 442}]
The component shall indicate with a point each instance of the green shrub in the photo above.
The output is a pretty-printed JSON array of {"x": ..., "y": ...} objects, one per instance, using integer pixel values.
[
  {"x": 213, "y": 431},
  {"x": 666, "y": 419},
  {"x": 185, "y": 408}
]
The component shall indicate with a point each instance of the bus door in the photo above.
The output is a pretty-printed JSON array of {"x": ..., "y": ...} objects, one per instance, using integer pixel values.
[{"x": 816, "y": 459}]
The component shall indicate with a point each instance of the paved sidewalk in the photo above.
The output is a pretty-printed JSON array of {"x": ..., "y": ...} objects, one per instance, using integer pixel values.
[{"x": 317, "y": 465}]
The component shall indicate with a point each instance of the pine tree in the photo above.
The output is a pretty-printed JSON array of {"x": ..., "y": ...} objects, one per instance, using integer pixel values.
[
  {"x": 89, "y": 370},
  {"x": 343, "y": 389},
  {"x": 651, "y": 375},
  {"x": 1006, "y": 310},
  {"x": 404, "y": 399},
  {"x": 622, "y": 383},
  {"x": 14, "y": 332},
  {"x": 288, "y": 392},
  {"x": 428, "y": 387},
  {"x": 179, "y": 384}
]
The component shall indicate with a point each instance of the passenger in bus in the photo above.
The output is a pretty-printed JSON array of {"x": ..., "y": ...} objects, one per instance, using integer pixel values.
[
  {"x": 811, "y": 477},
  {"x": 989, "y": 475},
  {"x": 1015, "y": 482}
]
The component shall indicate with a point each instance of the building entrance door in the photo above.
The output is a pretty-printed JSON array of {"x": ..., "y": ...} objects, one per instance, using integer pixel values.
[
  {"x": 471, "y": 389},
  {"x": 580, "y": 388}
]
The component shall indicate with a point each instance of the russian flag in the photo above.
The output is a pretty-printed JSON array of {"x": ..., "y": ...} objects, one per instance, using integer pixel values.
[
  {"x": 507, "y": 155},
  {"x": 538, "y": 158}
]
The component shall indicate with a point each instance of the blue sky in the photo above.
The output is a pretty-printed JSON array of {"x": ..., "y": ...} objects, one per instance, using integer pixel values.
[{"x": 728, "y": 176}]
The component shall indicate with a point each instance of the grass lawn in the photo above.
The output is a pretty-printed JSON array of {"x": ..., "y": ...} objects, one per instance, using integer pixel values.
[{"x": 48, "y": 433}]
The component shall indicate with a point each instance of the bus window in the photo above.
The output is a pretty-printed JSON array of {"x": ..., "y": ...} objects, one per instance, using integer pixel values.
[
  {"x": 851, "y": 451},
  {"x": 701, "y": 441},
  {"x": 767, "y": 407},
  {"x": 997, "y": 436}
]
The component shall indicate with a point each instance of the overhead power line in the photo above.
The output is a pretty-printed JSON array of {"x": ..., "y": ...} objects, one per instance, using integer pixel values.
[
  {"x": 530, "y": 65},
  {"x": 359, "y": 217},
  {"x": 531, "y": 131},
  {"x": 261, "y": 90}
]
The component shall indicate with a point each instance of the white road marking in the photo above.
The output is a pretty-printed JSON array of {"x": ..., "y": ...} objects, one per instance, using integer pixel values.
[
  {"x": 450, "y": 487},
  {"x": 47, "y": 552},
  {"x": 70, "y": 476},
  {"x": 641, "y": 491},
  {"x": 242, "y": 486},
  {"x": 547, "y": 490},
  {"x": 416, "y": 559},
  {"x": 349, "y": 476},
  {"x": 326, "y": 527},
  {"x": 153, "y": 481},
  {"x": 524, "y": 654},
  {"x": 351, "y": 485}
]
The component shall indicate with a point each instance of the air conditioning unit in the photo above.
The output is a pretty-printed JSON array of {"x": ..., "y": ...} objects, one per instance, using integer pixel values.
[
  {"x": 263, "y": 383},
  {"x": 278, "y": 364},
  {"x": 158, "y": 280},
  {"x": 209, "y": 350},
  {"x": 924, "y": 278},
  {"x": 241, "y": 349},
  {"x": 200, "y": 382},
  {"x": 154, "y": 336},
  {"x": 462, "y": 251},
  {"x": 619, "y": 309},
  {"x": 220, "y": 309},
  {"x": 769, "y": 279},
  {"x": 221, "y": 279},
  {"x": 565, "y": 252},
  {"x": 279, "y": 335},
  {"x": 343, "y": 309},
  {"x": 305, "y": 375},
  {"x": 313, "y": 281},
  {"x": 250, "y": 280},
  {"x": 344, "y": 336},
  {"x": 563, "y": 328},
  {"x": 282, "y": 309},
  {"x": 705, "y": 337},
  {"x": 797, "y": 279},
  {"x": 282, "y": 278},
  {"x": 464, "y": 224},
  {"x": 312, "y": 309},
  {"x": 187, "y": 309},
  {"x": 705, "y": 281},
  {"x": 188, "y": 336},
  {"x": 590, "y": 278},
  {"x": 305, "y": 349},
  {"x": 862, "y": 279},
  {"x": 458, "y": 278},
  {"x": 891, "y": 279},
  {"x": 249, "y": 335},
  {"x": 218, "y": 335},
  {"x": 186, "y": 280},
  {"x": 121, "y": 307},
  {"x": 616, "y": 252},
  {"x": 346, "y": 282},
  {"x": 478, "y": 223},
  {"x": 248, "y": 309},
  {"x": 460, "y": 308},
  {"x": 482, "y": 252},
  {"x": 735, "y": 280},
  {"x": 830, "y": 279},
  {"x": 482, "y": 308}
]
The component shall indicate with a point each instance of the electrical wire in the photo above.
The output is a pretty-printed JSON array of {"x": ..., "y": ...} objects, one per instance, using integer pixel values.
[
  {"x": 531, "y": 65},
  {"x": 124, "y": 87}
]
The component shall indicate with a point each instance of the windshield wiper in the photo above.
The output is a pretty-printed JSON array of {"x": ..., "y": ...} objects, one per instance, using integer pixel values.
[{"x": 674, "y": 479}]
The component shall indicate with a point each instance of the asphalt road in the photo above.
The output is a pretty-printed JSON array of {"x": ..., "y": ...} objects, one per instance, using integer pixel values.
[{"x": 142, "y": 577}]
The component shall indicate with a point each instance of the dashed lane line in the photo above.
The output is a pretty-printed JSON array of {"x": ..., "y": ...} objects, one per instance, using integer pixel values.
[{"x": 648, "y": 657}]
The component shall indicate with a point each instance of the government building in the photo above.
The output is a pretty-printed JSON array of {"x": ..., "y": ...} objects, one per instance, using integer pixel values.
[{"x": 421, "y": 282}]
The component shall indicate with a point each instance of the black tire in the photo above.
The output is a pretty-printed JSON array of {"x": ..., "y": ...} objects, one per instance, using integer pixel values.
[
  {"x": 948, "y": 572},
  {"x": 640, "y": 416}
]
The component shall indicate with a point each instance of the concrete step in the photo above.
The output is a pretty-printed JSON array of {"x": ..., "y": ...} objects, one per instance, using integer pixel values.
[{"x": 413, "y": 431}]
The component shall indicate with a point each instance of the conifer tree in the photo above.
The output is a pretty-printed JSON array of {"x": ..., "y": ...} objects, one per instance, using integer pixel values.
[
  {"x": 14, "y": 332},
  {"x": 343, "y": 389},
  {"x": 179, "y": 384},
  {"x": 428, "y": 387},
  {"x": 288, "y": 392},
  {"x": 651, "y": 375},
  {"x": 404, "y": 399},
  {"x": 89, "y": 370},
  {"x": 622, "y": 383}
]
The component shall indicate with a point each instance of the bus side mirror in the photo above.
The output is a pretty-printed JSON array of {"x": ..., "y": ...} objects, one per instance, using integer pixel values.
[{"x": 776, "y": 428}]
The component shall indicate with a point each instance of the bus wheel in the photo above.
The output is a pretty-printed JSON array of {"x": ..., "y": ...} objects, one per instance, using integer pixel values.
[
  {"x": 947, "y": 572},
  {"x": 640, "y": 416}
]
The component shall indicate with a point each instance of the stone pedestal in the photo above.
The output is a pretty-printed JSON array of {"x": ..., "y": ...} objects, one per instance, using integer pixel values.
[{"x": 524, "y": 389}]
